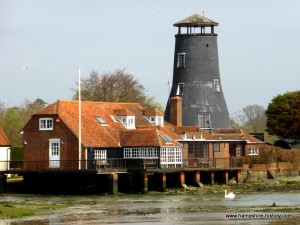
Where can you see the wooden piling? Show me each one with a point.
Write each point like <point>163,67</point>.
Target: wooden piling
<point>238,176</point>
<point>2,183</point>
<point>144,177</point>
<point>212,178</point>
<point>164,182</point>
<point>181,178</point>
<point>226,176</point>
<point>197,177</point>
<point>112,183</point>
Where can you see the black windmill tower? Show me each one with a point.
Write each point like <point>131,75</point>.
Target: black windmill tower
<point>196,76</point>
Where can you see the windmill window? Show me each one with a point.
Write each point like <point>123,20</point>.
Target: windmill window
<point>181,60</point>
<point>179,89</point>
<point>216,85</point>
<point>204,120</point>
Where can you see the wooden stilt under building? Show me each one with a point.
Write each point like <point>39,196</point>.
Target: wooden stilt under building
<point>144,177</point>
<point>212,178</point>
<point>112,183</point>
<point>226,176</point>
<point>2,183</point>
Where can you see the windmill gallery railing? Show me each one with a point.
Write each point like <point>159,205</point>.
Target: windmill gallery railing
<point>117,164</point>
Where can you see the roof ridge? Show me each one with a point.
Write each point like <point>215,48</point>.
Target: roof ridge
<point>97,102</point>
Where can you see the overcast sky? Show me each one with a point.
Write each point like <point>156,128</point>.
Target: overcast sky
<point>258,41</point>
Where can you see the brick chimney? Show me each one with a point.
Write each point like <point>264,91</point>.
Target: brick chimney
<point>176,111</point>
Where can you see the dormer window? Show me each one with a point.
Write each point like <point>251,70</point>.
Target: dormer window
<point>156,120</point>
<point>127,121</point>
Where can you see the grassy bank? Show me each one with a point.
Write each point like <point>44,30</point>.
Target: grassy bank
<point>19,210</point>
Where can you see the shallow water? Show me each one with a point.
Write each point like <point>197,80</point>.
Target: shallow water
<point>159,209</point>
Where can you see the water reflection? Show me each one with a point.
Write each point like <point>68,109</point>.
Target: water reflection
<point>155,209</point>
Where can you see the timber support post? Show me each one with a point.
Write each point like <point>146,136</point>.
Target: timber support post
<point>238,176</point>
<point>181,178</point>
<point>197,177</point>
<point>163,182</point>
<point>2,183</point>
<point>112,183</point>
<point>212,178</point>
<point>226,177</point>
<point>144,183</point>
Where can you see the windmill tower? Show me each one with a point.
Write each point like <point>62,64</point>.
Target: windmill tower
<point>196,76</point>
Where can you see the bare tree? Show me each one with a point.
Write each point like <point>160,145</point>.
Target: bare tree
<point>28,108</point>
<point>117,86</point>
<point>252,118</point>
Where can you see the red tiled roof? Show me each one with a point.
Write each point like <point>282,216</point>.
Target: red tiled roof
<point>150,136</point>
<point>231,134</point>
<point>3,138</point>
<point>234,134</point>
<point>122,112</point>
<point>151,112</point>
<point>193,131</point>
<point>93,133</point>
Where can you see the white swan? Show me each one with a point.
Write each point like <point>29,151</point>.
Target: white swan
<point>229,195</point>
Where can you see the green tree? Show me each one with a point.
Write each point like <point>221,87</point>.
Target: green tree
<point>283,116</point>
<point>11,123</point>
<point>14,119</point>
<point>117,86</point>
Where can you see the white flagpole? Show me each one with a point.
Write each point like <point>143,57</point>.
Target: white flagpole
<point>79,118</point>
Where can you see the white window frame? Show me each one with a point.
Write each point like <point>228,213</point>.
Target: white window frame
<point>46,124</point>
<point>127,121</point>
<point>100,154</point>
<point>253,151</point>
<point>170,156</point>
<point>141,153</point>
<point>155,120</point>
<point>160,121</point>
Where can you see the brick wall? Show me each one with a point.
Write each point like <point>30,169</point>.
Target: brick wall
<point>37,142</point>
<point>176,111</point>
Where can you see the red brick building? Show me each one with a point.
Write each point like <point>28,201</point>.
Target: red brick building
<point>112,133</point>
<point>108,131</point>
